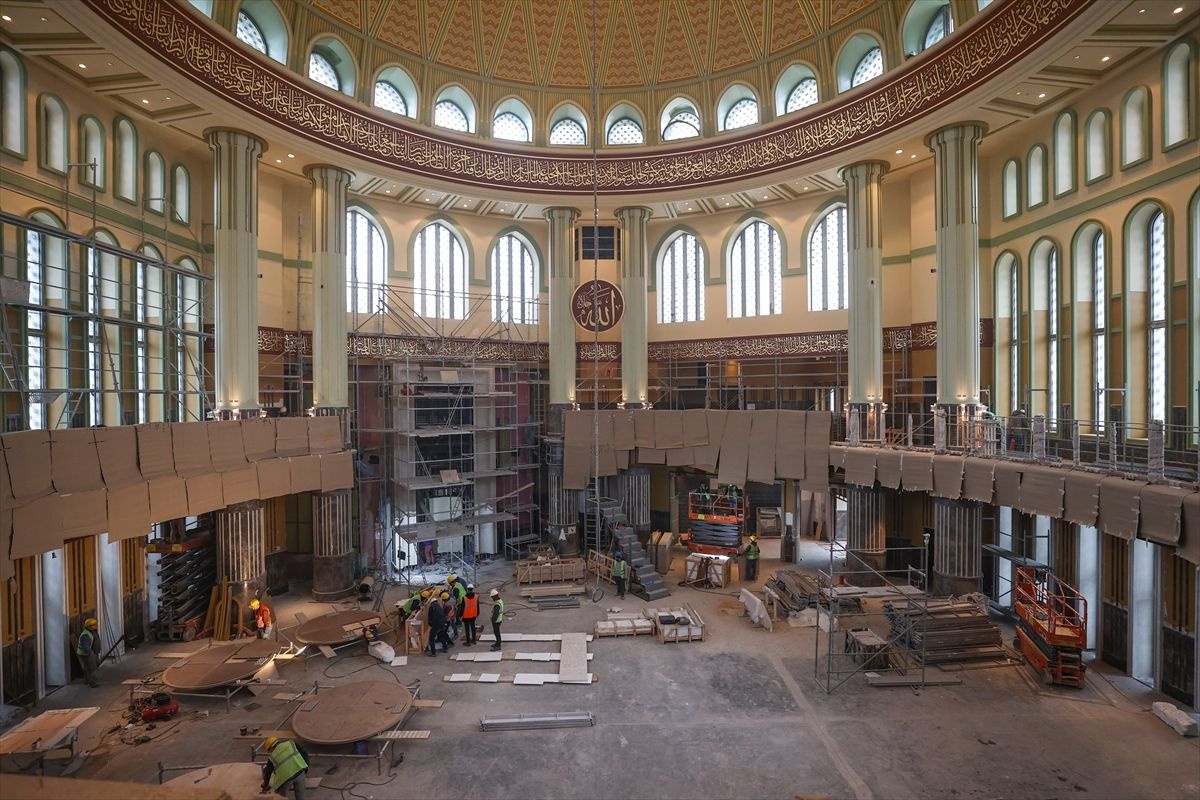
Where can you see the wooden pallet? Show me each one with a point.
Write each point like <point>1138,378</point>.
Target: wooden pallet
<point>624,627</point>
<point>692,632</point>
<point>552,590</point>
<point>549,570</point>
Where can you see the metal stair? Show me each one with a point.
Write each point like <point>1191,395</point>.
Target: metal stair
<point>625,537</point>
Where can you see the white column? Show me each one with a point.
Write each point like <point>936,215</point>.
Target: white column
<point>329,284</point>
<point>956,195</point>
<point>864,210</point>
<point>235,256</point>
<point>635,259</point>
<point>562,285</point>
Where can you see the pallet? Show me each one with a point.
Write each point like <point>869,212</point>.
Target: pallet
<point>545,571</point>
<point>552,590</point>
<point>672,633</point>
<point>624,627</point>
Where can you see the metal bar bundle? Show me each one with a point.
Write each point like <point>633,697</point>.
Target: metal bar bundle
<point>559,601</point>
<point>797,590</point>
<point>945,631</point>
<point>527,722</point>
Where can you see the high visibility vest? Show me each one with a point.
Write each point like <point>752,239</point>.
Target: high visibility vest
<point>752,551</point>
<point>86,642</point>
<point>498,611</point>
<point>286,762</point>
<point>619,569</point>
<point>470,607</point>
<point>262,617</point>
<point>460,591</point>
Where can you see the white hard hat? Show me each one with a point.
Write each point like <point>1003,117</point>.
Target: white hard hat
<point>495,592</point>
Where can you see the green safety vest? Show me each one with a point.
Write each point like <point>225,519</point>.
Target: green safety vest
<point>286,762</point>
<point>460,591</point>
<point>82,649</point>
<point>752,551</point>
<point>498,607</point>
<point>619,569</point>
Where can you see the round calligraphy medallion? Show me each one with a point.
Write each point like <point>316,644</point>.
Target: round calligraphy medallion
<point>608,308</point>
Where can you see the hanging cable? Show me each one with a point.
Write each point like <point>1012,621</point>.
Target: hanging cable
<point>595,81</point>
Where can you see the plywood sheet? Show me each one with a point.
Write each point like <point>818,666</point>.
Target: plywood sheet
<point>156,458</point>
<point>816,448</point>
<point>6,495</point>
<point>28,457</point>
<point>50,727</point>
<point>668,429</point>
<point>1042,491</point>
<point>337,471</point>
<point>1008,484</point>
<point>1081,497</point>
<point>789,451</point>
<point>735,449</point>
<point>225,446</point>
<point>948,476</point>
<point>205,493</point>
<point>274,478</point>
<point>623,438</point>
<point>118,453</point>
<point>979,480</point>
<point>695,427</point>
<point>1189,548</point>
<point>1120,507</point>
<point>705,458</point>
<point>168,499</point>
<point>576,466</point>
<point>37,527</point>
<point>128,511</point>
<point>887,468</point>
<point>240,486</point>
<point>331,628</point>
<point>760,464</point>
<point>258,438</point>
<point>623,459</point>
<point>84,513</point>
<point>352,712</point>
<point>74,461</point>
<point>860,465</point>
<point>837,456</point>
<point>325,434</point>
<point>291,436</point>
<point>1161,513</point>
<point>916,471</point>
<point>644,436</point>
<point>306,474</point>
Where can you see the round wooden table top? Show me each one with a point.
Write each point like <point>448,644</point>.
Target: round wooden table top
<point>220,665</point>
<point>330,629</point>
<point>351,712</point>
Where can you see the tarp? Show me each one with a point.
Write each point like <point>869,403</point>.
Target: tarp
<point>1081,497</point>
<point>1120,505</point>
<point>916,471</point>
<point>948,476</point>
<point>789,450</point>
<point>860,465</point>
<point>1161,512</point>
<point>74,461</point>
<point>1042,491</point>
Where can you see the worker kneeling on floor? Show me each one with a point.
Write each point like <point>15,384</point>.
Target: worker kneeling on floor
<point>287,766</point>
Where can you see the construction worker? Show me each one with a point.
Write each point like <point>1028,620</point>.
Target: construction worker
<point>750,551</point>
<point>620,572</point>
<point>407,608</point>
<point>497,617</point>
<point>286,767</point>
<point>262,619</point>
<point>437,628</point>
<point>459,591</point>
<point>451,615</point>
<point>87,650</point>
<point>470,613</point>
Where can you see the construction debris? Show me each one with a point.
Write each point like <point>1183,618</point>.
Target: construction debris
<point>527,722</point>
<point>944,631</point>
<point>1180,721</point>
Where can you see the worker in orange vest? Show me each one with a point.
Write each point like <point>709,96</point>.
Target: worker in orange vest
<point>262,619</point>
<point>470,613</point>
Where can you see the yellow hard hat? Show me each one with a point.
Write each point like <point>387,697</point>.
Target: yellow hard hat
<point>445,595</point>
<point>451,578</point>
<point>425,594</point>
<point>90,622</point>
<point>270,743</point>
<point>254,604</point>
<point>754,538</point>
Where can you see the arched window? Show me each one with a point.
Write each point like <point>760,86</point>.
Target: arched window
<point>795,89</point>
<point>680,283</point>
<point>510,127</point>
<point>388,98</point>
<point>624,131</point>
<point>155,190</point>
<point>330,64</point>
<point>40,251</point>
<point>366,264</point>
<point>321,70</point>
<point>743,113</point>
<point>440,273</point>
<point>125,156</point>
<point>802,95</point>
<point>1008,317</point>
<point>1157,318</point>
<point>827,263</point>
<point>93,169</point>
<point>395,92</point>
<point>12,102</point>
<point>447,114</point>
<point>1097,135</point>
<point>147,285</point>
<point>1044,330</point>
<point>683,124</point>
<point>1012,191</point>
<point>939,26</point>
<point>262,27</point>
<point>567,132</point>
<point>185,352</point>
<point>1064,154</point>
<point>53,134</point>
<point>755,272</point>
<point>103,293</point>
<point>1179,93</point>
<point>868,68</point>
<point>1135,121</point>
<point>249,32</point>
<point>181,195</point>
<point>1035,177</point>
<point>514,281</point>
<point>1099,326</point>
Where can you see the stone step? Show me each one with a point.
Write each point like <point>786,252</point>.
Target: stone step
<point>654,594</point>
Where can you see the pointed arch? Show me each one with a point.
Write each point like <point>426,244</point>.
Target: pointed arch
<point>1007,297</point>
<point>515,267</point>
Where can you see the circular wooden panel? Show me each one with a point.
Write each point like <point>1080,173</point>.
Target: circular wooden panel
<point>219,665</point>
<point>351,712</point>
<point>329,629</point>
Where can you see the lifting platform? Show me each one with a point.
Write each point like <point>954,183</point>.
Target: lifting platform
<point>1051,626</point>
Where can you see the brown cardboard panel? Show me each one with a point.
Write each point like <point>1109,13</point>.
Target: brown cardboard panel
<point>695,427</point>
<point>156,457</point>
<point>789,451</point>
<point>735,449</point>
<point>189,443</point>
<point>258,438</point>
<point>1120,507</point>
<point>6,565</point>
<point>887,468</point>
<point>118,451</point>
<point>837,457</point>
<point>240,486</point>
<point>204,493</point>
<point>37,527</point>
<point>623,423</point>
<point>6,496</point>
<point>979,480</point>
<point>576,465</point>
<point>128,511</point>
<point>623,459</point>
<point>760,465</point>
<point>668,429</point>
<point>291,436</point>
<point>74,461</point>
<point>680,456</point>
<point>84,513</point>
<point>861,465</point>
<point>916,472</point>
<point>28,457</point>
<point>325,434</point>
<point>1189,548</point>
<point>604,428</point>
<point>816,447</point>
<point>168,499</point>
<point>578,427</point>
<point>225,445</point>
<point>306,474</point>
<point>1042,491</point>
<point>1081,498</point>
<point>607,460</point>
<point>1008,484</point>
<point>337,471</point>
<point>643,429</point>
<point>1162,510</point>
<point>274,478</point>
<point>648,455</point>
<point>706,457</point>
<point>948,476</point>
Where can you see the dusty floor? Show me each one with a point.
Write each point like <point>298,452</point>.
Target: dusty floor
<point>737,716</point>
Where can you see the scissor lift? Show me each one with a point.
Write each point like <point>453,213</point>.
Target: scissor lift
<point>1051,626</point>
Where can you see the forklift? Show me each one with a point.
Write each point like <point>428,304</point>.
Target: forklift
<point>1051,626</point>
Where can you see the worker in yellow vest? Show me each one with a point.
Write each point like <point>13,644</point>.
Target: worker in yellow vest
<point>286,767</point>
<point>620,572</point>
<point>497,617</point>
<point>87,650</point>
<point>750,551</point>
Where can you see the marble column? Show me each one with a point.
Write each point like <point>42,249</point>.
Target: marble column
<point>635,262</point>
<point>562,324</point>
<point>333,547</point>
<point>866,533</point>
<point>235,259</point>
<point>330,185</point>
<point>241,551</point>
<point>957,546</point>
<point>864,215</point>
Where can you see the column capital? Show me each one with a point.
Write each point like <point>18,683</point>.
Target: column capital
<point>565,214</point>
<point>864,169</point>
<point>631,214</point>
<point>224,137</point>
<point>327,172</point>
<point>973,129</point>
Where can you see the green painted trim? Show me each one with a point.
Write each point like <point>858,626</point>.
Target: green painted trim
<point>43,145</point>
<point>889,261</point>
<point>1193,292</point>
<point>1189,93</point>
<point>931,250</point>
<point>1106,115</point>
<point>668,236</point>
<point>1073,143</point>
<point>1029,176</point>
<point>22,107</point>
<point>119,160</point>
<point>1146,116</point>
<point>102,166</point>
<point>1017,195</point>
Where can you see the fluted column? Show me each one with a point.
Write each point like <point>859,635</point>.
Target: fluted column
<point>864,216</point>
<point>635,259</point>
<point>562,324</point>
<point>235,258</point>
<point>957,546</point>
<point>956,197</point>
<point>329,284</point>
<point>333,547</point>
<point>866,533</point>
<point>242,550</point>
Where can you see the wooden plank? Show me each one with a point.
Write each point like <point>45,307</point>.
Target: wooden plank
<point>912,680</point>
<point>427,703</point>
<point>326,650</point>
<point>47,730</point>
<point>394,736</point>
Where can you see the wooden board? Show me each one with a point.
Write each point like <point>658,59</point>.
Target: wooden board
<point>335,628</point>
<point>352,712</point>
<point>220,665</point>
<point>52,728</point>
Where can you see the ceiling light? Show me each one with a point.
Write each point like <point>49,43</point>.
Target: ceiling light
<point>44,19</point>
<point>387,191</point>
<point>899,152</point>
<point>1104,59</point>
<point>1040,96</point>
<point>279,161</point>
<point>914,155</point>
<point>291,155</point>
<point>82,65</point>
<point>1018,94</point>
<point>6,18</point>
<point>1141,11</point>
<point>1076,58</point>
<point>1178,10</point>
<point>109,63</point>
<point>144,100</point>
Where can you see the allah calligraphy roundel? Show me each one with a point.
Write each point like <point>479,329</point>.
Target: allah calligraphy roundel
<point>608,308</point>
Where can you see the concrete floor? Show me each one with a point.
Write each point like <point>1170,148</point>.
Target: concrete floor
<point>737,716</point>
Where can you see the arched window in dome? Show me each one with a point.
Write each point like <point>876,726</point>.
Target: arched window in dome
<point>388,98</point>
<point>680,121</point>
<point>510,127</point>
<point>1064,154</point>
<point>743,113</point>
<point>321,70</point>
<point>624,131</point>
<point>1011,178</point>
<point>1179,84</point>
<point>447,114</point>
<point>181,194</point>
<point>249,32</point>
<point>125,146</point>
<point>366,264</point>
<point>869,67</point>
<point>12,103</point>
<point>330,64</point>
<point>1097,138</point>
<point>756,271</point>
<point>53,135</point>
<point>395,92</point>
<point>828,261</point>
<point>859,61</point>
<point>155,190</point>
<point>261,26</point>
<point>802,95</point>
<point>92,152</point>
<point>939,27</point>
<point>514,281</point>
<point>1135,127</point>
<point>567,132</point>
<point>1035,177</point>
<point>440,273</point>
<point>680,281</point>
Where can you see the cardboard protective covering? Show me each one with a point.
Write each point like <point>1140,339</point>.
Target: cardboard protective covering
<point>225,446</point>
<point>948,476</point>
<point>1042,491</point>
<point>1161,512</point>
<point>916,471</point>
<point>274,478</point>
<point>816,447</point>
<point>118,451</point>
<point>84,513</point>
<point>887,468</point>
<point>979,480</point>
<point>168,499</point>
<point>6,495</point>
<point>1120,507</point>
<point>837,456</point>
<point>603,434</point>
<point>705,457</point>
<point>28,457</point>
<point>205,493</point>
<point>258,438</point>
<point>128,511</point>
<point>735,449</point>
<point>668,429</point>
<point>1008,484</point>
<point>860,465</point>
<point>577,466</point>
<point>337,471</point>
<point>695,427</point>
<point>789,451</point>
<point>155,456</point>
<point>643,429</point>
<point>680,457</point>
<point>37,527</point>
<point>306,474</point>
<point>1189,548</point>
<point>645,455</point>
<point>623,459</point>
<point>1081,497</point>
<point>760,465</point>
<point>240,485</point>
<point>189,443</point>
<point>291,436</point>
<point>74,461</point>
<point>623,438</point>
<point>325,434</point>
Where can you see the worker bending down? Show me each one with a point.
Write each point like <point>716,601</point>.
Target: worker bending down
<point>497,617</point>
<point>287,766</point>
<point>262,619</point>
<point>87,651</point>
<point>750,551</point>
<point>470,613</point>
<point>437,627</point>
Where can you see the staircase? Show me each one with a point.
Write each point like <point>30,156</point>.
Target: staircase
<point>614,522</point>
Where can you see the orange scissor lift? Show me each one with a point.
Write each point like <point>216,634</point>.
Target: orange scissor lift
<point>1051,626</point>
<point>720,512</point>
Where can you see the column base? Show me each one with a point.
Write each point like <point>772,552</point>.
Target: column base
<point>333,576</point>
<point>865,422</point>
<point>861,562</point>
<point>944,585</point>
<point>276,578</point>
